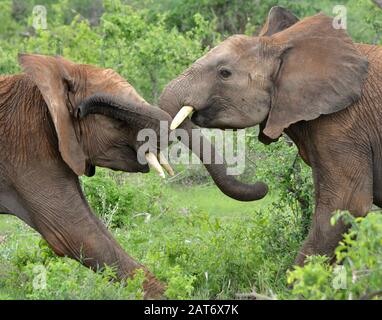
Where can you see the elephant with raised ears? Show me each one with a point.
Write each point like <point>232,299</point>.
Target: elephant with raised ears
<point>308,79</point>
<point>60,120</point>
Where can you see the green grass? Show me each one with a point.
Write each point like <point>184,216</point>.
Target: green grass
<point>8,224</point>
<point>212,201</point>
<point>193,233</point>
<point>13,234</point>
<point>200,243</point>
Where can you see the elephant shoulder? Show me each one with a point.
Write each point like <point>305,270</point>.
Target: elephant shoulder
<point>373,83</point>
<point>372,52</point>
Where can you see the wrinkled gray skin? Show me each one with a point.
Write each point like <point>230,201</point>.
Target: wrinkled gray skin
<point>309,80</point>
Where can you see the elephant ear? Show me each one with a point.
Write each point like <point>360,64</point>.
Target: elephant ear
<point>278,20</point>
<point>321,72</point>
<point>52,75</point>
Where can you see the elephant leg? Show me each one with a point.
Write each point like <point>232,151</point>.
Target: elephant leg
<point>349,187</point>
<point>10,203</point>
<point>60,213</point>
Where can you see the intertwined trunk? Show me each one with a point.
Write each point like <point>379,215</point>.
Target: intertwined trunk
<point>172,100</point>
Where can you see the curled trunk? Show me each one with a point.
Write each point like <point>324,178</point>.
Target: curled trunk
<point>218,171</point>
<point>172,103</point>
<point>141,116</point>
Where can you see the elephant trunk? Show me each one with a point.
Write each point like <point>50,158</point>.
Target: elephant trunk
<point>171,102</point>
<point>140,116</point>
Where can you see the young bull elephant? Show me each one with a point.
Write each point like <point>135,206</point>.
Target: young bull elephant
<point>58,121</point>
<point>307,79</point>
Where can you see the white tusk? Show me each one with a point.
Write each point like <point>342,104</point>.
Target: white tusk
<point>153,161</point>
<point>180,116</point>
<point>163,161</point>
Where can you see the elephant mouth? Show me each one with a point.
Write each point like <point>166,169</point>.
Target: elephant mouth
<point>134,164</point>
<point>133,167</point>
<point>199,119</point>
<point>153,159</point>
<point>209,118</point>
<point>124,159</point>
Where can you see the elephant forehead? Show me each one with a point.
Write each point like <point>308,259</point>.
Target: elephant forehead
<point>229,50</point>
<point>109,81</point>
<point>238,42</point>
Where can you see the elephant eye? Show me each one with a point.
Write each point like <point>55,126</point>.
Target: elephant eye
<point>224,73</point>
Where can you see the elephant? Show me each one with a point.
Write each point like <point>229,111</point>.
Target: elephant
<point>58,120</point>
<point>307,79</point>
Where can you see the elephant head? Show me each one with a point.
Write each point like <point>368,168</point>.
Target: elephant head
<point>96,115</point>
<point>292,71</point>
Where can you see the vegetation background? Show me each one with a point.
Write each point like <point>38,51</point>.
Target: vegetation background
<point>201,243</point>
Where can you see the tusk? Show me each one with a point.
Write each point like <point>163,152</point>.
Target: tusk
<point>163,161</point>
<point>153,161</point>
<point>180,116</point>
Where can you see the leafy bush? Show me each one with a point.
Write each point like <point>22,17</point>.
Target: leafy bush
<point>118,200</point>
<point>358,272</point>
<point>218,259</point>
<point>35,272</point>
<point>196,255</point>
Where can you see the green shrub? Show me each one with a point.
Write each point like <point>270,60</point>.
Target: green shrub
<point>220,258</point>
<point>118,200</point>
<point>359,275</point>
<point>35,272</point>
